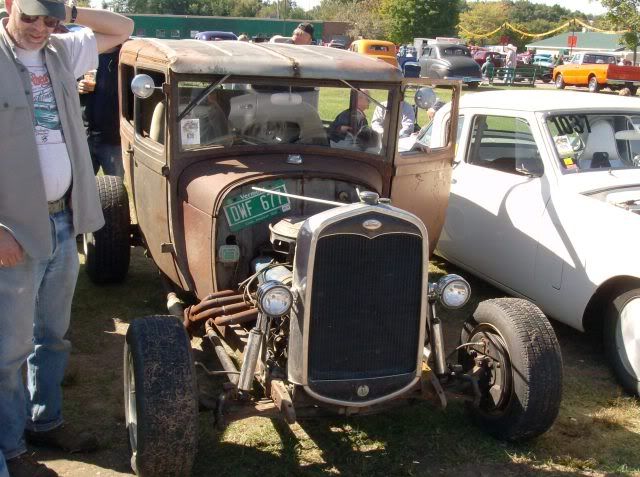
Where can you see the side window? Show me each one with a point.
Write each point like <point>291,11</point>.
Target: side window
<point>126,96</point>
<point>505,144</point>
<point>150,112</point>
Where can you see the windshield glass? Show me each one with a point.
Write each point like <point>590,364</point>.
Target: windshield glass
<point>261,114</point>
<point>592,142</point>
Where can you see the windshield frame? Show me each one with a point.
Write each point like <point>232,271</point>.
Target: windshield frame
<point>562,168</point>
<point>385,156</point>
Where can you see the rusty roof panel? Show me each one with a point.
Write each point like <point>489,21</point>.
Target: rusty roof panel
<point>278,60</point>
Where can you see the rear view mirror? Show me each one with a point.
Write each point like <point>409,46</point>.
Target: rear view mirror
<point>425,98</point>
<point>142,86</point>
<point>286,99</point>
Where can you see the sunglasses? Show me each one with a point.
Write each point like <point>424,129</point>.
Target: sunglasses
<point>49,22</point>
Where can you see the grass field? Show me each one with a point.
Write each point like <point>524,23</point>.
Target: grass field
<point>596,434</point>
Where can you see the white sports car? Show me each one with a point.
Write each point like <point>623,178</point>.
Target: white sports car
<point>544,204</point>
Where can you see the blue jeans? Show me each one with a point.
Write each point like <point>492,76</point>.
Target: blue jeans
<point>35,309</point>
<point>107,155</point>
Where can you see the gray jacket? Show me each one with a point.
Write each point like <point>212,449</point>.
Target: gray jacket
<point>23,204</point>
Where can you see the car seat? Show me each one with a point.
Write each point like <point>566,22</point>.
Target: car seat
<point>601,149</point>
<point>298,121</point>
<point>156,129</point>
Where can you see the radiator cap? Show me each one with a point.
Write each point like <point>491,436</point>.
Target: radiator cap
<point>369,197</point>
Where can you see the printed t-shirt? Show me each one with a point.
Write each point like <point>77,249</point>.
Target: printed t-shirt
<point>52,149</point>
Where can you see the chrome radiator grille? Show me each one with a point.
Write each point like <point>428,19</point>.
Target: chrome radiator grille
<point>365,306</point>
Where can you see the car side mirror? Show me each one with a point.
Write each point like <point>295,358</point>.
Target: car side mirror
<point>425,98</point>
<point>143,86</point>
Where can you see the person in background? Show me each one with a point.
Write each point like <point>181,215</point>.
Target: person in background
<point>48,197</point>
<point>487,68</point>
<point>511,63</point>
<point>243,37</point>
<point>302,35</point>
<point>348,122</point>
<point>101,118</point>
<point>407,121</point>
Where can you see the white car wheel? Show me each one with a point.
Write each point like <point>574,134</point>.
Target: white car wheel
<point>622,339</point>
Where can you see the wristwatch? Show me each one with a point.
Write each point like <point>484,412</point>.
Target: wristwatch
<point>74,14</point>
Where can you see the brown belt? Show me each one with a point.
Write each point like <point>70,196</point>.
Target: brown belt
<point>59,205</point>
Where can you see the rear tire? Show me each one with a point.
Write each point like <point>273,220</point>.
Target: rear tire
<point>559,81</point>
<point>108,251</point>
<point>633,90</point>
<point>594,87</point>
<point>521,377</point>
<point>160,397</point>
<point>622,339</point>
<point>473,85</point>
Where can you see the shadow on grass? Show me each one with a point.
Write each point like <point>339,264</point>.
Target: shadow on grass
<point>590,435</point>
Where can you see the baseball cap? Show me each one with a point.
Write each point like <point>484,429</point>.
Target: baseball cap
<point>307,28</point>
<point>51,8</point>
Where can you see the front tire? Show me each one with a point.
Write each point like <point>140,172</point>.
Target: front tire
<point>473,85</point>
<point>594,87</point>
<point>519,366</point>
<point>160,397</point>
<point>622,339</point>
<point>559,82</point>
<point>108,251</point>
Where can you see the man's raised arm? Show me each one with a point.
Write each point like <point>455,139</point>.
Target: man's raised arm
<point>111,29</point>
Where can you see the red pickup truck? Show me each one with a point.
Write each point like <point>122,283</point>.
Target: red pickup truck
<point>596,70</point>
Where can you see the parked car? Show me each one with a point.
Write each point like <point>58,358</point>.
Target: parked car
<point>216,35</point>
<point>545,193</point>
<point>304,251</point>
<point>497,59</point>
<point>543,59</point>
<point>596,71</point>
<point>382,50</point>
<point>337,44</point>
<point>450,61</point>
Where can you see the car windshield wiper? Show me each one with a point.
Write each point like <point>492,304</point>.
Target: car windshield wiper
<point>198,99</point>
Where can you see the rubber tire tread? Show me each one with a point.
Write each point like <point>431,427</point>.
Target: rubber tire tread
<point>473,85</point>
<point>166,396</point>
<point>562,84</point>
<point>535,352</point>
<point>596,88</point>
<point>109,249</point>
<point>630,383</point>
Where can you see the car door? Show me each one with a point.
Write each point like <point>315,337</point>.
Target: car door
<point>498,195</point>
<point>422,176</point>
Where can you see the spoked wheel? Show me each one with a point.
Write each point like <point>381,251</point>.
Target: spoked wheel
<point>160,397</point>
<point>514,357</point>
<point>622,339</point>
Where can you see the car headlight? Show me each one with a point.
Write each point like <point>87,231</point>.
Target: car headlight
<point>274,298</point>
<point>453,291</point>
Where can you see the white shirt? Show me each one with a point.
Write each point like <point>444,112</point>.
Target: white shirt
<point>407,122</point>
<point>52,149</point>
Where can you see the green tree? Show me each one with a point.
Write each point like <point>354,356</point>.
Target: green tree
<point>624,15</point>
<point>409,19</point>
<point>365,16</point>
<point>484,17</point>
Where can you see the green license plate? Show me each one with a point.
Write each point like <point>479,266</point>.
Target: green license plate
<point>247,209</point>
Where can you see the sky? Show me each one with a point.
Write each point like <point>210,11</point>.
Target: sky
<point>587,6</point>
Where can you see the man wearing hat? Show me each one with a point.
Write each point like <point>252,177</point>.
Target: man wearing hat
<point>302,35</point>
<point>47,197</point>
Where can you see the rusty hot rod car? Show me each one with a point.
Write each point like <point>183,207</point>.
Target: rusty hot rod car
<point>303,238</point>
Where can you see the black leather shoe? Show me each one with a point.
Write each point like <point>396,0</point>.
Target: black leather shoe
<point>63,438</point>
<point>25,465</point>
